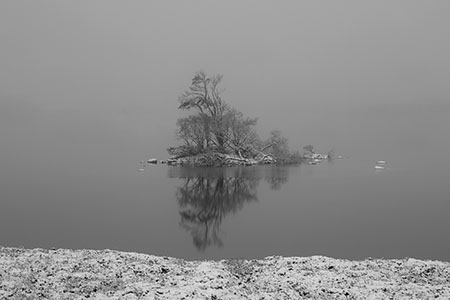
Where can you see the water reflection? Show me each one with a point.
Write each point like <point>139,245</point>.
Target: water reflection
<point>208,195</point>
<point>277,177</point>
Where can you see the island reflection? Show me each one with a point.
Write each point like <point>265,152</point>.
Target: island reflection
<point>208,195</point>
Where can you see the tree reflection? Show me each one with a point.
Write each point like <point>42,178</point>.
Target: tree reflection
<point>207,196</point>
<point>277,177</point>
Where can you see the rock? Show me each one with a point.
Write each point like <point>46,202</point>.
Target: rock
<point>172,162</point>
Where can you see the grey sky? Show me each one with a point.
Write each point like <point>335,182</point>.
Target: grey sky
<point>83,70</point>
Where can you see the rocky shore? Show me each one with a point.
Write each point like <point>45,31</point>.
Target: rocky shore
<point>107,274</point>
<point>216,159</point>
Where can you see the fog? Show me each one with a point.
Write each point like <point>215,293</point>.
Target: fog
<point>82,80</point>
<point>88,89</point>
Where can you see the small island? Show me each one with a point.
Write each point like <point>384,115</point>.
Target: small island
<point>214,134</point>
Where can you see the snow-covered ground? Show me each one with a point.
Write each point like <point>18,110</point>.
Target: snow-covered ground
<point>107,274</point>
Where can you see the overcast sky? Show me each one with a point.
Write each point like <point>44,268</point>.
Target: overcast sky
<point>83,70</point>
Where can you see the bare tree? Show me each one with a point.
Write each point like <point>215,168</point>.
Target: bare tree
<point>215,127</point>
<point>242,135</point>
<point>277,146</point>
<point>204,96</point>
<point>194,131</point>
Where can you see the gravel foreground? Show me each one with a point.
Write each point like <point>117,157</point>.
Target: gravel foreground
<point>107,274</point>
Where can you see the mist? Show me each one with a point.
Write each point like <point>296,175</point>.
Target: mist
<point>83,80</point>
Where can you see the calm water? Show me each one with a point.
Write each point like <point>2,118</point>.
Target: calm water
<point>343,209</point>
<point>70,179</point>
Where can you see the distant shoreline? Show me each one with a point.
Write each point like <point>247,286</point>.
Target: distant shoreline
<point>108,274</point>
